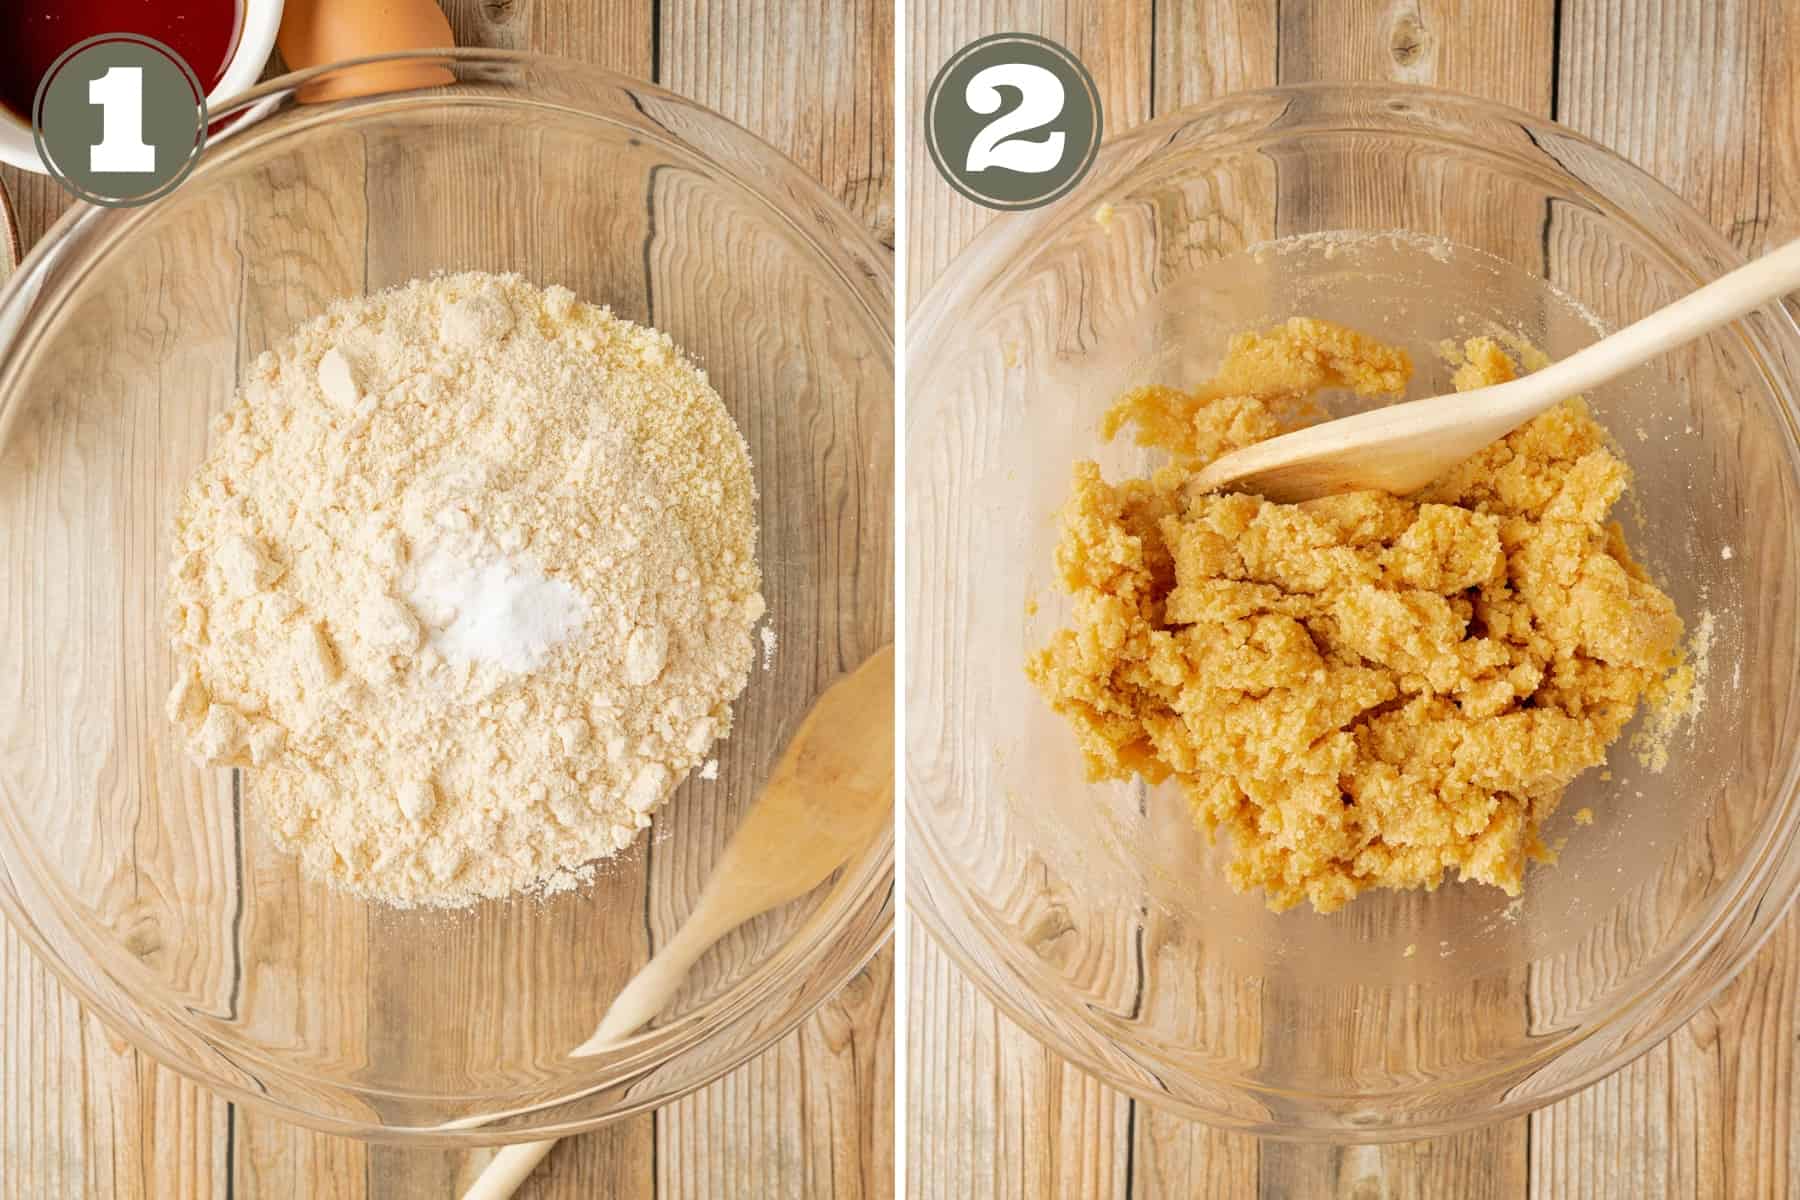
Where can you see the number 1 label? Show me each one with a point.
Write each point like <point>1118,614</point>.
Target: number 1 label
<point>121,149</point>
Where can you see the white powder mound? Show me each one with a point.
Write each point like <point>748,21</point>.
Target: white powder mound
<point>485,607</point>
<point>470,577</point>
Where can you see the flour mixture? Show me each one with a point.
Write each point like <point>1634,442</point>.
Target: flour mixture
<point>470,578</point>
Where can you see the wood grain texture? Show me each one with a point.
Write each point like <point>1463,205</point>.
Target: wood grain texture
<point>82,1114</point>
<point>1704,96</point>
<point>1112,39</point>
<point>1707,99</point>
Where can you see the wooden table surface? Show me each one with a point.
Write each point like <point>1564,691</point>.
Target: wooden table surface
<point>1704,95</point>
<point>83,1114</point>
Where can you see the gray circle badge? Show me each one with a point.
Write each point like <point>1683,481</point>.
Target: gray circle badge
<point>1012,121</point>
<point>119,119</point>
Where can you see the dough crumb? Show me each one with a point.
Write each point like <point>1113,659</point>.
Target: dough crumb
<point>1361,691</point>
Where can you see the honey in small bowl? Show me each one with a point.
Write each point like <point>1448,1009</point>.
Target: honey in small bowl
<point>36,32</point>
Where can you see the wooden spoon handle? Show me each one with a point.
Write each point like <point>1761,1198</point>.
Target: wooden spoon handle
<point>1724,299</point>
<point>829,793</point>
<point>502,1177</point>
<point>649,990</point>
<point>653,986</point>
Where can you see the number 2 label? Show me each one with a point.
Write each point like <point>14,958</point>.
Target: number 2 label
<point>999,144</point>
<point>120,96</point>
<point>1012,121</point>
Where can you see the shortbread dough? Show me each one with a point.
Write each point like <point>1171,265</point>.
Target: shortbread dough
<point>1362,691</point>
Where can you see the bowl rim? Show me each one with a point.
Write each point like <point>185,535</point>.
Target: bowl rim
<point>1752,889</point>
<point>844,246</point>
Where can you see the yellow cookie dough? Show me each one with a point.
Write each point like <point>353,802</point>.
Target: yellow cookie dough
<point>1363,691</point>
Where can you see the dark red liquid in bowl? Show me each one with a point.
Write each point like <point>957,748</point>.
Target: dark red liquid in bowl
<point>33,33</point>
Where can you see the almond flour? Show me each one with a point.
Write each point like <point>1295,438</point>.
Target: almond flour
<point>469,579</point>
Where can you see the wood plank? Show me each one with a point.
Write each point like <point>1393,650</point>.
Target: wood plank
<point>988,1107</point>
<point>81,1113</point>
<point>37,202</point>
<point>831,111</point>
<point>1498,52</point>
<point>269,1157</point>
<point>1113,40</point>
<point>1503,54</point>
<point>738,1137</point>
<point>1707,99</point>
<point>990,1111</point>
<point>1204,51</point>
<point>1480,1164</point>
<point>1700,96</point>
<point>788,1123</point>
<point>495,233</point>
<point>173,906</point>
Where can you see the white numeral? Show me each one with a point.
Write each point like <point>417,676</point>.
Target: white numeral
<point>120,95</point>
<point>1041,101</point>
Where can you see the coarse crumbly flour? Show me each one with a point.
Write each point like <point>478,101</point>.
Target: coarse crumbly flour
<point>470,578</point>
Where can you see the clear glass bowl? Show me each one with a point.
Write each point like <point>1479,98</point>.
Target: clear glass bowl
<point>148,884</point>
<point>1095,915</point>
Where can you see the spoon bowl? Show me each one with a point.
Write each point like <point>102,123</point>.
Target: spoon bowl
<point>1402,448</point>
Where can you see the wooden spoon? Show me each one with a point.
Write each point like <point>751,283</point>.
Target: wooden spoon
<point>1403,447</point>
<point>828,796</point>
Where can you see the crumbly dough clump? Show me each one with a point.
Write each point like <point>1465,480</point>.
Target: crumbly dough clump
<point>1364,691</point>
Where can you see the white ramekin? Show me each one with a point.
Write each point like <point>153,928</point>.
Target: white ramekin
<point>256,40</point>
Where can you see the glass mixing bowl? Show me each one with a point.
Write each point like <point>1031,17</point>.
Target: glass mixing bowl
<point>1095,915</point>
<point>148,884</point>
